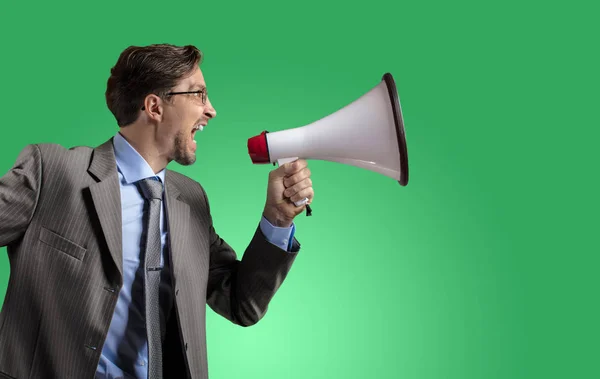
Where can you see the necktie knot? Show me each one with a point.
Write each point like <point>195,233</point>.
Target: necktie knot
<point>151,188</point>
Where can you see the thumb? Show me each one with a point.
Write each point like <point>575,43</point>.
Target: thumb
<point>282,171</point>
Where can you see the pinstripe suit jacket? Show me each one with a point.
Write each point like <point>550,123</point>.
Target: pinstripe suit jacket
<point>60,218</point>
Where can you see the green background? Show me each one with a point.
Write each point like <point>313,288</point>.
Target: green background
<point>484,266</point>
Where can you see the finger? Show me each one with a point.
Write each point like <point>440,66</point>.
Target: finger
<point>279,172</point>
<point>297,177</point>
<point>293,167</point>
<point>285,169</point>
<point>305,193</point>
<point>291,191</point>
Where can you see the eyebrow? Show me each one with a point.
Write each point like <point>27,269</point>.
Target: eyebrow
<point>195,87</point>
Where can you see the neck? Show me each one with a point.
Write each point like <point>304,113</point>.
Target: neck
<point>146,145</point>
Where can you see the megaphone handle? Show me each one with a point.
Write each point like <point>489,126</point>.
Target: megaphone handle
<point>303,201</point>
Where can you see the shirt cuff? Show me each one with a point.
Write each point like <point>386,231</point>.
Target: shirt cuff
<point>281,237</point>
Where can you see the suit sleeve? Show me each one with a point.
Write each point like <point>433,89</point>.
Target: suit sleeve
<point>19,193</point>
<point>240,290</point>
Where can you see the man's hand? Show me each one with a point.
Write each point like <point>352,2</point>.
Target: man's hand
<point>288,183</point>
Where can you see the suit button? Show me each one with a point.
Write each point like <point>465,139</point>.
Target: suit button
<point>186,346</point>
<point>177,292</point>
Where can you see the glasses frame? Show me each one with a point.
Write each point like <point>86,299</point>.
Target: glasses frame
<point>201,91</point>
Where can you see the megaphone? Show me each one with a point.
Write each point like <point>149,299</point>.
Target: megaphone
<point>367,133</point>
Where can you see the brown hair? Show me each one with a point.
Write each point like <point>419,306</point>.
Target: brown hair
<point>140,71</point>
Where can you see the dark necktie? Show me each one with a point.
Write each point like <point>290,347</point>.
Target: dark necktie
<point>152,190</point>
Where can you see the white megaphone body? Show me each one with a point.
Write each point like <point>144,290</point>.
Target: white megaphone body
<point>367,133</point>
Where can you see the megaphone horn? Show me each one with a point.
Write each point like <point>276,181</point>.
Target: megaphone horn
<point>367,133</point>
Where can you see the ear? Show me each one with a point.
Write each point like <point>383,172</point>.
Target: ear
<point>153,107</point>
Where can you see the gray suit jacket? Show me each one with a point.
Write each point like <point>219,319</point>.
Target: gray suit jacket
<point>60,218</point>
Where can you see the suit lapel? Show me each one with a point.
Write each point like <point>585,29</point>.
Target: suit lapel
<point>178,218</point>
<point>106,197</point>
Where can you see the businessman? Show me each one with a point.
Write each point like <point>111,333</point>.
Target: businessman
<point>113,257</point>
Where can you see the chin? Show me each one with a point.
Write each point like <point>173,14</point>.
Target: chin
<point>184,155</point>
<point>186,159</point>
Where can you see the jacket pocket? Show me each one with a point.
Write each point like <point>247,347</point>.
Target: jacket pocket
<point>61,243</point>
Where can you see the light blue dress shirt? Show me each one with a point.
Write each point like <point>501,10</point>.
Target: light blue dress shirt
<point>125,351</point>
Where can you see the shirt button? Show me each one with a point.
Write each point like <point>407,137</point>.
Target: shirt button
<point>142,363</point>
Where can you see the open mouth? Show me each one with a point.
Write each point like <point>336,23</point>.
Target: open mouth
<point>194,130</point>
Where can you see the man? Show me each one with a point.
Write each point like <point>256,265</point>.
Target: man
<point>114,257</point>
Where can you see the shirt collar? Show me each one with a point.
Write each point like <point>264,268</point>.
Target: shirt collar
<point>131,164</point>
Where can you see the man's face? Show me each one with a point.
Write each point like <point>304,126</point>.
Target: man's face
<point>184,117</point>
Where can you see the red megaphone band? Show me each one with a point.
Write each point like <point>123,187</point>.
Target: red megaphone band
<point>258,149</point>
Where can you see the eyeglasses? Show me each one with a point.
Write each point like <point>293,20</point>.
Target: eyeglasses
<point>202,93</point>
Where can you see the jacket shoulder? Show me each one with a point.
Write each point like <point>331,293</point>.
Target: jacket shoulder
<point>54,149</point>
<point>55,160</point>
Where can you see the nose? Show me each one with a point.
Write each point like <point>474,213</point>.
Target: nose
<point>209,110</point>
